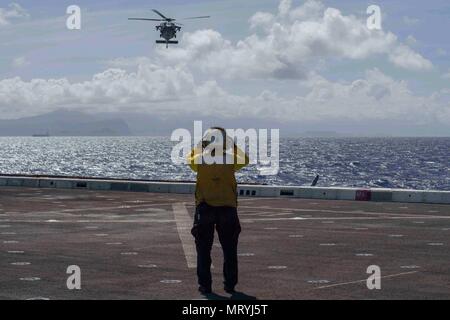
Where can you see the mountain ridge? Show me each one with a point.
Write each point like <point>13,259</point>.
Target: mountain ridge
<point>65,123</point>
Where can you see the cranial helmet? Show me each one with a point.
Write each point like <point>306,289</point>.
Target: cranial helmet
<point>217,138</point>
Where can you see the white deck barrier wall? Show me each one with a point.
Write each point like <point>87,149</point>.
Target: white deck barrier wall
<point>331,193</point>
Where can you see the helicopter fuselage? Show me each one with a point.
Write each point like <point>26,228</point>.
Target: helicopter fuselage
<point>168,30</point>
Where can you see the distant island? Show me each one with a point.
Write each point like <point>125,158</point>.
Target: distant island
<point>65,123</point>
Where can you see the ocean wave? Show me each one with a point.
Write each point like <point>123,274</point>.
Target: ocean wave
<point>416,163</point>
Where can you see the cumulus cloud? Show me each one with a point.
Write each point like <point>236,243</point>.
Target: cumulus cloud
<point>173,90</point>
<point>106,90</point>
<point>13,11</point>
<point>374,97</point>
<point>291,42</point>
<point>404,57</point>
<point>262,20</point>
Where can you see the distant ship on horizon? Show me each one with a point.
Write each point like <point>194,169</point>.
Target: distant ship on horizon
<point>47,134</point>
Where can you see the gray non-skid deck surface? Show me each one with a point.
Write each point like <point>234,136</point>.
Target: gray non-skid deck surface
<point>138,246</point>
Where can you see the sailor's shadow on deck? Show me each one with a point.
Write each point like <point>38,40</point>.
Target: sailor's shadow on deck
<point>235,296</point>
<point>242,296</point>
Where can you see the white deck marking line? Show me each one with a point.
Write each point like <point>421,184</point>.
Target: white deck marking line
<point>92,209</point>
<point>99,221</point>
<point>339,218</point>
<point>359,281</point>
<point>184,224</point>
<point>267,214</point>
<point>417,215</point>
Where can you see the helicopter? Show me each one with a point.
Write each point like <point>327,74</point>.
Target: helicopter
<point>168,28</point>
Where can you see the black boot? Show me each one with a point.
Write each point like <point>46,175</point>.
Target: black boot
<point>229,290</point>
<point>204,290</point>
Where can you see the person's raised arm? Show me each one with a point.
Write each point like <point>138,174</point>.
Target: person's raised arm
<point>241,159</point>
<point>193,157</point>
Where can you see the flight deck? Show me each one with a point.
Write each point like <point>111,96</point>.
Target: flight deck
<point>134,245</point>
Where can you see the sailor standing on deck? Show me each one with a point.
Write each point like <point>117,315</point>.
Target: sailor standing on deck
<point>216,160</point>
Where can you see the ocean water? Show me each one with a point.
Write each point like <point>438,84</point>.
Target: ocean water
<point>416,163</point>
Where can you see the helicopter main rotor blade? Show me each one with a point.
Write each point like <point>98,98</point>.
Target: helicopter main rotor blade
<point>160,14</point>
<point>145,19</point>
<point>201,17</point>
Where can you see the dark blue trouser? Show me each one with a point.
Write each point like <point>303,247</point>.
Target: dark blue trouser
<point>226,222</point>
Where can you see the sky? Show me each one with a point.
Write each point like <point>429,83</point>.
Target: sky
<point>302,64</point>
